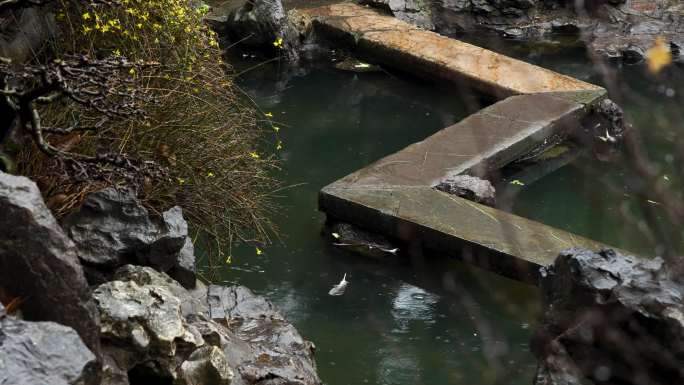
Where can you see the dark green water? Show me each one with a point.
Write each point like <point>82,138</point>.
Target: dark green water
<point>434,321</point>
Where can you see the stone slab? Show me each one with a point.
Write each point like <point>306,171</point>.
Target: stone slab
<point>396,43</point>
<point>484,141</point>
<point>395,195</point>
<point>484,236</point>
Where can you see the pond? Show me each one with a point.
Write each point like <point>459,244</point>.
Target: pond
<point>436,321</point>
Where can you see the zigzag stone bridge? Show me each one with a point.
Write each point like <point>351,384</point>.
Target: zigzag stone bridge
<point>396,195</point>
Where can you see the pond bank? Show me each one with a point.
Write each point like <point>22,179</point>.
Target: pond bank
<point>138,323</point>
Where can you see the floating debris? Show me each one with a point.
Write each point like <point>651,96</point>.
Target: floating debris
<point>340,287</point>
<point>353,65</point>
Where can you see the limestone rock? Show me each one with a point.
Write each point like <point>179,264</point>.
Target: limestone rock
<point>258,24</point>
<point>112,229</point>
<point>206,365</point>
<point>38,262</point>
<point>191,302</point>
<point>469,187</point>
<point>147,317</point>
<point>281,355</point>
<point>610,318</point>
<point>39,353</point>
<point>154,328</point>
<point>416,12</point>
<point>615,28</point>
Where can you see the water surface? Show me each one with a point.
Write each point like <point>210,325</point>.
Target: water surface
<point>435,321</point>
<point>430,322</point>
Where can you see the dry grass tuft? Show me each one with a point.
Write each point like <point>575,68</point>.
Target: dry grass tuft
<point>199,128</point>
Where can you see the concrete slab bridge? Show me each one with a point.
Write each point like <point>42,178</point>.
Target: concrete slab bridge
<point>396,195</point>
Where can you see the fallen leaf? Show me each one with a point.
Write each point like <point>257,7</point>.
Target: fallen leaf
<point>658,56</point>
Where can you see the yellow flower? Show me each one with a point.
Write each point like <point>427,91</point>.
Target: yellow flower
<point>279,145</point>
<point>254,155</point>
<point>258,251</point>
<point>229,260</point>
<point>517,182</point>
<point>131,71</point>
<point>278,43</point>
<point>210,174</point>
<point>181,181</point>
<point>86,16</point>
<point>117,52</point>
<point>276,128</point>
<point>268,115</point>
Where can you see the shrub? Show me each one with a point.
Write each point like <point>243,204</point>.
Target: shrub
<point>209,140</point>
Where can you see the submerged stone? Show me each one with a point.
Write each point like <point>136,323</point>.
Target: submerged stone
<point>353,238</point>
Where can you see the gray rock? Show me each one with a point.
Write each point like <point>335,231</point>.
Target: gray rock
<point>112,229</point>
<point>26,32</point>
<point>39,353</point>
<point>610,318</point>
<point>38,262</point>
<point>230,337</point>
<point>147,317</point>
<point>192,302</point>
<point>616,28</point>
<point>206,365</point>
<point>469,187</point>
<point>281,355</point>
<point>257,24</point>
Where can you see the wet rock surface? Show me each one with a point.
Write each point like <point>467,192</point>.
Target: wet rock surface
<point>112,229</point>
<point>39,353</point>
<point>154,328</point>
<point>360,241</point>
<point>38,262</point>
<point>469,187</point>
<point>610,319</point>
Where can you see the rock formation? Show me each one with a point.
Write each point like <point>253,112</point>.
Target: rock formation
<point>40,353</point>
<point>621,28</point>
<point>154,328</point>
<point>112,229</point>
<point>469,187</point>
<point>38,262</point>
<point>609,318</point>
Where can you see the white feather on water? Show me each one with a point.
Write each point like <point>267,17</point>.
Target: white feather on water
<point>340,287</point>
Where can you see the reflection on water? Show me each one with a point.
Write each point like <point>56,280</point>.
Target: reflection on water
<point>412,303</point>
